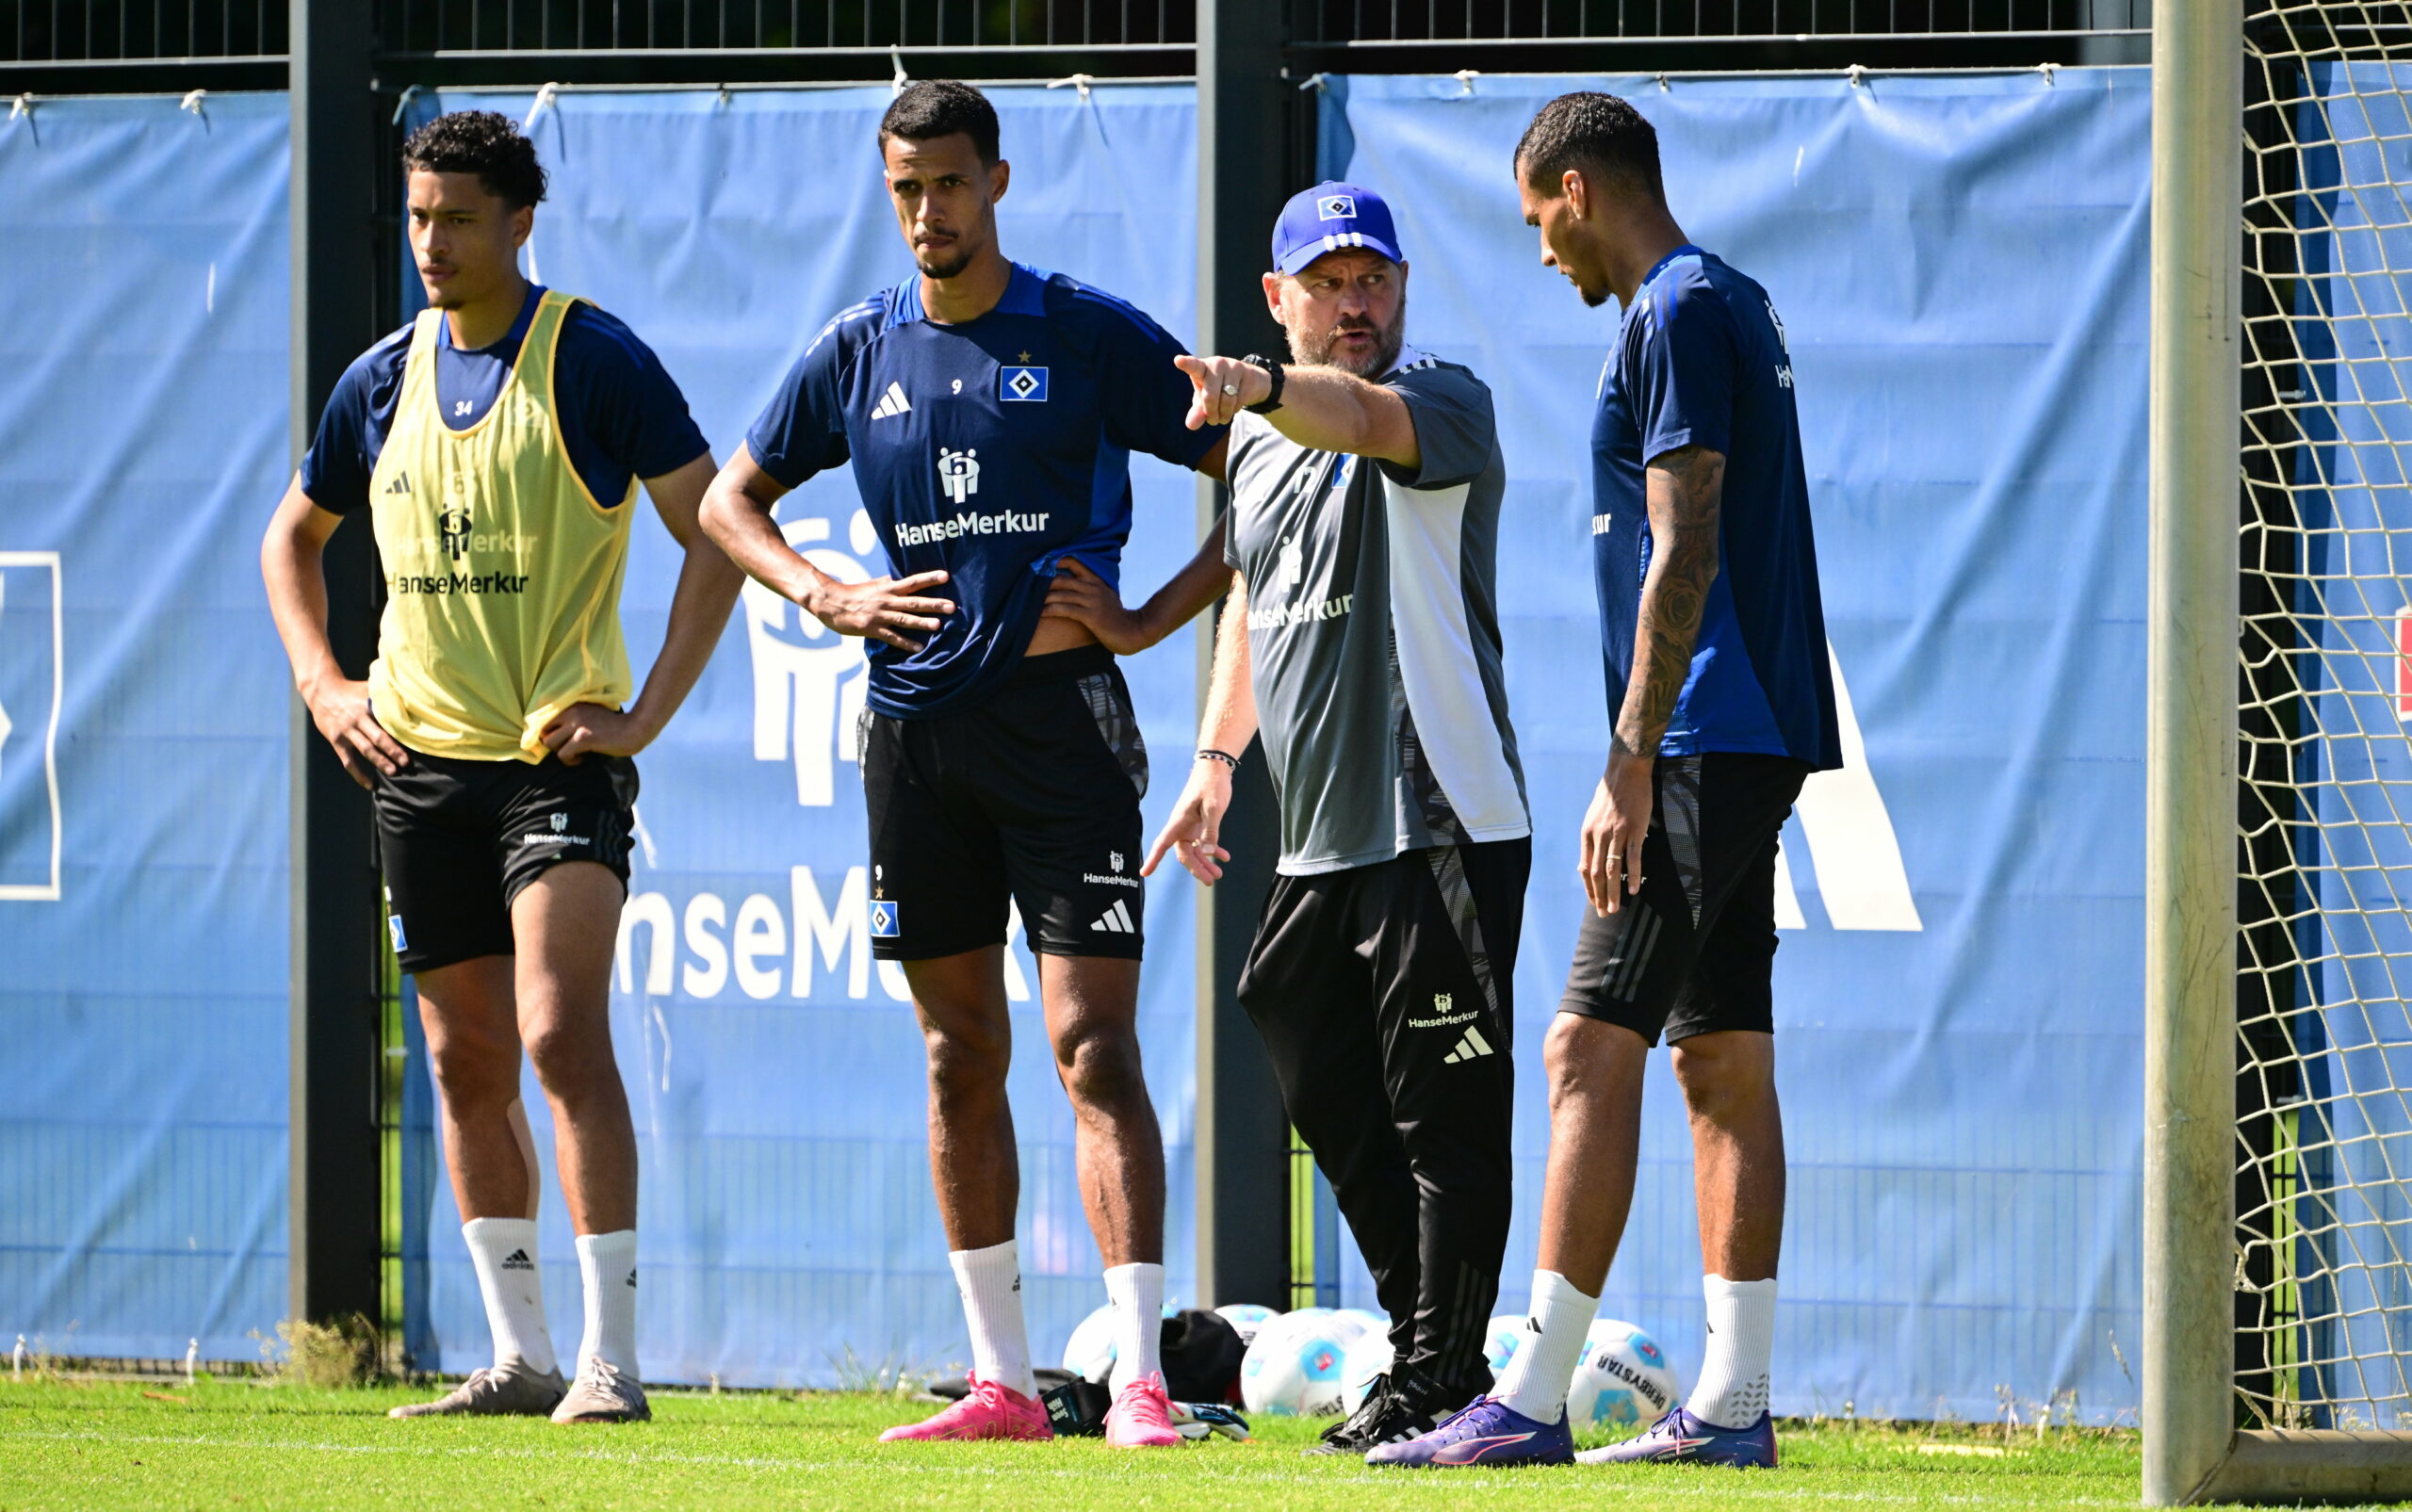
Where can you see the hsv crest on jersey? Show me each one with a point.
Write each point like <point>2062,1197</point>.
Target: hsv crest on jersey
<point>1337,208</point>
<point>884,918</point>
<point>1022,385</point>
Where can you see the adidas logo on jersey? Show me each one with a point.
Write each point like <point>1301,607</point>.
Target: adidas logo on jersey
<point>1471,1047</point>
<point>517,1261</point>
<point>1116,920</point>
<point>892,402</point>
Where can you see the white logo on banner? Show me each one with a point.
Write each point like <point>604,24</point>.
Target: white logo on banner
<point>32,656</point>
<point>764,951</point>
<point>809,680</point>
<point>1860,876</point>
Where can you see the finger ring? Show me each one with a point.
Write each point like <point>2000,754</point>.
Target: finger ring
<point>1230,388</point>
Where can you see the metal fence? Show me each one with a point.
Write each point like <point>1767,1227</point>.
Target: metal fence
<point>107,31</point>
<point>112,31</point>
<point>420,29</point>
<point>1727,21</point>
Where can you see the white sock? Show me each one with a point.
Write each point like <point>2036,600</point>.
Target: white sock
<point>503,1251</point>
<point>1138,1293</point>
<point>1732,1388</point>
<point>1536,1378</point>
<point>990,1280</point>
<point>608,1264</point>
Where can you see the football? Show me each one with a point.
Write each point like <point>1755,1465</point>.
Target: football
<point>1623,1381</point>
<point>1245,1318</point>
<point>1294,1367</point>
<point>1367,1359</point>
<point>1089,1353</point>
<point>1500,1338</point>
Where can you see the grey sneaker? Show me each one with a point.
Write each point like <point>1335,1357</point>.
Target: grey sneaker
<point>497,1391</point>
<point>602,1394</point>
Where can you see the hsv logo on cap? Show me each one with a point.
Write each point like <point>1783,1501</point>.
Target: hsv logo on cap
<point>1329,218</point>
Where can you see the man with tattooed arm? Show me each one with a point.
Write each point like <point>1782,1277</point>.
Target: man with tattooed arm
<point>1716,671</point>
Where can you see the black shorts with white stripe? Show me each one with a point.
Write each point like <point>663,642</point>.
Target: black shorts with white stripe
<point>1694,952</point>
<point>1031,797</point>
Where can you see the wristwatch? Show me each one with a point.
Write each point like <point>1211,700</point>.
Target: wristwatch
<point>1272,370</point>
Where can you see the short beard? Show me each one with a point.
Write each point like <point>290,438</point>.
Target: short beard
<point>954,265</point>
<point>1314,349</point>
<point>943,271</point>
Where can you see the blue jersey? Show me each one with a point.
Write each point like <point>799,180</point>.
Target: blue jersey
<point>621,416</point>
<point>992,450</point>
<point>1700,362</point>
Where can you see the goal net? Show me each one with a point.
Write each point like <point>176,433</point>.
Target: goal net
<point>2323,1124</point>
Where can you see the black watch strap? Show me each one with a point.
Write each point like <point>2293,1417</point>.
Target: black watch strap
<point>1272,370</point>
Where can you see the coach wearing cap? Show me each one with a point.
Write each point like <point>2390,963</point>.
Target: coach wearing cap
<point>1362,640</point>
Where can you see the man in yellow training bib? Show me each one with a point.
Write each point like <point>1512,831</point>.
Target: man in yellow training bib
<point>498,442</point>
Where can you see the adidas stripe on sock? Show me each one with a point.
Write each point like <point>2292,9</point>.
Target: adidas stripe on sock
<point>990,1280</point>
<point>1138,1294</point>
<point>607,1265</point>
<point>503,1253</point>
<point>1538,1372</point>
<point>1732,1388</point>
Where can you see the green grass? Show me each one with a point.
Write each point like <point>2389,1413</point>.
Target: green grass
<point>237,1444</point>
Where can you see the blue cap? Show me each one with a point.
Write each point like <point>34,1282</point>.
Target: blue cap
<point>1327,218</point>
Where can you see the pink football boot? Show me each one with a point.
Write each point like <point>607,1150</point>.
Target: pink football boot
<point>987,1412</point>
<point>1141,1417</point>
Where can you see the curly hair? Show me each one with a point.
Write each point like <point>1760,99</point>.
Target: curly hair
<point>483,143</point>
<point>1600,134</point>
<point>931,108</point>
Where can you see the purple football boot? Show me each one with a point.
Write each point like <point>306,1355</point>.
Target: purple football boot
<point>1680,1438</point>
<point>1483,1432</point>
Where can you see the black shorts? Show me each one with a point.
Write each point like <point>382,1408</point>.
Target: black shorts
<point>459,839</point>
<point>1694,952</point>
<point>1032,797</point>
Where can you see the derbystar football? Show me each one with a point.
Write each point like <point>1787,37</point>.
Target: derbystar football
<point>1245,1318</point>
<point>1294,1366</point>
<point>1623,1381</point>
<point>1500,1337</point>
<point>1367,1359</point>
<point>1089,1353</point>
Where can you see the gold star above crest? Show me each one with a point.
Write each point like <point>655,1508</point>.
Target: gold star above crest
<point>1025,357</point>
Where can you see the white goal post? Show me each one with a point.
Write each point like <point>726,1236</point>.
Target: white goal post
<point>2277,1352</point>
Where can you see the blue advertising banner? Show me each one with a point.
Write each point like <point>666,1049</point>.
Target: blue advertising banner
<point>143,316</point>
<point>1959,266</point>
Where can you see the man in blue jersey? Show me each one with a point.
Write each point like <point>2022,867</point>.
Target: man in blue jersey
<point>989,411</point>
<point>494,444</point>
<point>1715,647</point>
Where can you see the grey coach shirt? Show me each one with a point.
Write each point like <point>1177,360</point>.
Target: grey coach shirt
<point>1374,630</point>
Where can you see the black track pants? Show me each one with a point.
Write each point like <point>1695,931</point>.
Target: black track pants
<point>1384,996</point>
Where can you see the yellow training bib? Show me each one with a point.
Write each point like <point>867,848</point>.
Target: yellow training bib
<point>502,572</point>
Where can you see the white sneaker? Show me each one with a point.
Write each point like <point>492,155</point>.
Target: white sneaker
<point>602,1394</point>
<point>497,1391</point>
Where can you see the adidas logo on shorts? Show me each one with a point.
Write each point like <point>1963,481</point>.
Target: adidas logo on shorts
<point>1117,922</point>
<point>1471,1046</point>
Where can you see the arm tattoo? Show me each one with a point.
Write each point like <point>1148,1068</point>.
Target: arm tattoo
<point>1685,487</point>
